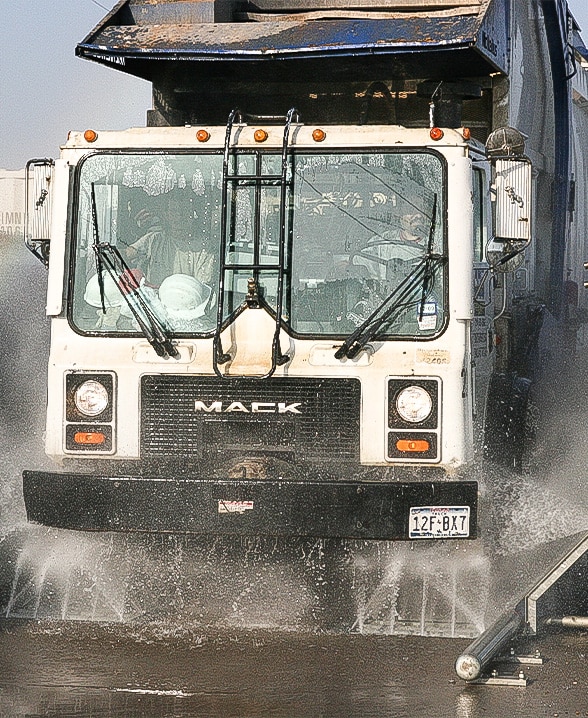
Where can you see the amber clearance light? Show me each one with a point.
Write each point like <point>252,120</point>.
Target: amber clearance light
<point>318,135</point>
<point>89,437</point>
<point>436,133</point>
<point>260,135</point>
<point>412,445</point>
<point>90,135</point>
<point>203,135</point>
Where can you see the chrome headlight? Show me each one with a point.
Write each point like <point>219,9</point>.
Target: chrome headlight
<point>414,404</point>
<point>91,398</point>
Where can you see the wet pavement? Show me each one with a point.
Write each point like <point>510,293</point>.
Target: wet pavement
<point>86,669</point>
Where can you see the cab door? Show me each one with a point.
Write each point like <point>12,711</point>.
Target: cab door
<point>482,328</point>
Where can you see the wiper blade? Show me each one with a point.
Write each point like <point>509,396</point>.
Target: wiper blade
<point>429,265</point>
<point>153,329</point>
<point>109,259</point>
<point>404,295</point>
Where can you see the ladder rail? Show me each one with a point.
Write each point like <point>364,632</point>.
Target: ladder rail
<point>277,357</point>
<point>258,180</point>
<point>219,356</point>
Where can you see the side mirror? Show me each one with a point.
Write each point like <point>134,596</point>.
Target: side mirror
<point>38,201</point>
<point>513,186</point>
<point>513,191</point>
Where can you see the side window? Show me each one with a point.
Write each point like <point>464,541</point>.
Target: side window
<point>479,233</point>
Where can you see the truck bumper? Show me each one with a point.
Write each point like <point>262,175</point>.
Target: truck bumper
<point>322,509</point>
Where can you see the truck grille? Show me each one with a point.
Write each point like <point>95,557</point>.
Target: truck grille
<point>185,416</point>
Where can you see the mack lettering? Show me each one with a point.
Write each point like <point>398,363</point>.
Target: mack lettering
<point>254,407</point>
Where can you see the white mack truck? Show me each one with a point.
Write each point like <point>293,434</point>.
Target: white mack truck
<point>309,295</point>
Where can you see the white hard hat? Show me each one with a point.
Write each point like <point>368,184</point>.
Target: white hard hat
<point>112,295</point>
<point>183,296</point>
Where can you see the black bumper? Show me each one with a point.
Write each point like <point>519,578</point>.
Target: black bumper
<point>322,509</point>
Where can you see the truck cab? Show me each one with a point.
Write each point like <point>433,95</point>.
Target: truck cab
<point>266,304</point>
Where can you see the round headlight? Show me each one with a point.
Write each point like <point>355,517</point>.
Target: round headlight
<point>414,404</point>
<point>91,398</point>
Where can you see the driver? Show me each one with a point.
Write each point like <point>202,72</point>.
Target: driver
<point>394,252</point>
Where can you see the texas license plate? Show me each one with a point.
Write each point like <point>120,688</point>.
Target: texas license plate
<point>439,522</point>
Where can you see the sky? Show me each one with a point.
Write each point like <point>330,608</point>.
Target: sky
<point>45,90</point>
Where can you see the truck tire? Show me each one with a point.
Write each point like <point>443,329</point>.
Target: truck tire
<point>505,425</point>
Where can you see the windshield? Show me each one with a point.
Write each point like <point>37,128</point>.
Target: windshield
<point>341,231</point>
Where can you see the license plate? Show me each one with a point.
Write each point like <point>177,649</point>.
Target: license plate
<point>439,522</point>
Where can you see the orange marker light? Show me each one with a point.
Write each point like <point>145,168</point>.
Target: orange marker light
<point>436,133</point>
<point>466,133</point>
<point>90,135</point>
<point>260,135</point>
<point>318,135</point>
<point>203,135</point>
<point>413,445</point>
<point>89,437</point>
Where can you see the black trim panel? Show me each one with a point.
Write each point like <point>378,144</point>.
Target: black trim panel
<point>327,509</point>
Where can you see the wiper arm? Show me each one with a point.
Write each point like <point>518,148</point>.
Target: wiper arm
<point>110,259</point>
<point>419,281</point>
<point>403,294</point>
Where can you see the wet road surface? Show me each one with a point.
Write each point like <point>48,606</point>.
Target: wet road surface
<point>84,669</point>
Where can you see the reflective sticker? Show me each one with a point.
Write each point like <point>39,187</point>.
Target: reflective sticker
<point>427,319</point>
<point>234,507</point>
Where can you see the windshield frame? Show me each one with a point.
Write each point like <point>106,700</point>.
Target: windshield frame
<point>73,233</point>
<point>442,225</point>
<point>293,153</point>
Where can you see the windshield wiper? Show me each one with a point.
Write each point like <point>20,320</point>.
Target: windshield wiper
<point>418,281</point>
<point>402,295</point>
<point>110,259</point>
<point>430,264</point>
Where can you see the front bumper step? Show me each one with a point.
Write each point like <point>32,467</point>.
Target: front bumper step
<point>322,509</point>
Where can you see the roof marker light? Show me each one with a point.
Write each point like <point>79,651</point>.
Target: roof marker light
<point>436,133</point>
<point>318,135</point>
<point>90,135</point>
<point>260,135</point>
<point>466,133</point>
<point>203,135</point>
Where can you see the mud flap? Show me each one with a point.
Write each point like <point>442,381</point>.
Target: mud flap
<point>505,421</point>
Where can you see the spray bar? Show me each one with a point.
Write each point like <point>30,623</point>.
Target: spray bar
<point>568,621</point>
<point>480,652</point>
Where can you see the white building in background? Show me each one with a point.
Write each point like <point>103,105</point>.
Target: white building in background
<point>12,203</point>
